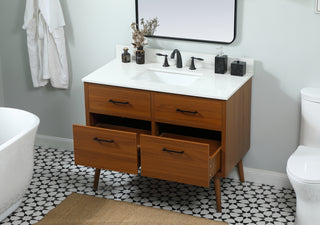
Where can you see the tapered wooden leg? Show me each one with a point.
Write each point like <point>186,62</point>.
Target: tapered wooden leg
<point>240,170</point>
<point>96,179</point>
<point>217,189</point>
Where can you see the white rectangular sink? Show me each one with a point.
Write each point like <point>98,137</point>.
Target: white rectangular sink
<point>168,77</point>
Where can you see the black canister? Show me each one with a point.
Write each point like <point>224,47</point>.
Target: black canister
<point>140,55</point>
<point>126,57</point>
<point>238,68</point>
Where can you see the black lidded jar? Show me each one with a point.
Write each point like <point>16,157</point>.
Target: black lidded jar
<point>238,68</point>
<point>126,57</point>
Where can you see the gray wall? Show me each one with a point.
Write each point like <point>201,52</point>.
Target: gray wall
<point>1,86</point>
<point>282,36</point>
<point>1,82</point>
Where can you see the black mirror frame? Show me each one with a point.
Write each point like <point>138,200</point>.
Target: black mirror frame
<point>189,39</point>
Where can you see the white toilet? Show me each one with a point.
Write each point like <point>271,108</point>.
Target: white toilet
<point>303,166</point>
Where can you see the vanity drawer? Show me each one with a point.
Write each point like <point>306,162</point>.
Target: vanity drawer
<point>181,159</point>
<point>118,101</point>
<point>105,148</point>
<point>190,111</point>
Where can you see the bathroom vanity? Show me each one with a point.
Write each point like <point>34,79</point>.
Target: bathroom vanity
<point>166,123</point>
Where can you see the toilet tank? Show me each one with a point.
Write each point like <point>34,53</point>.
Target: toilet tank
<point>310,117</point>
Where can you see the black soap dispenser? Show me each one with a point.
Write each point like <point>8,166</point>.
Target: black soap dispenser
<point>126,57</point>
<point>221,63</point>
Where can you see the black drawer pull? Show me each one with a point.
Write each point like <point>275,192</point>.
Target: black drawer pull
<point>186,111</point>
<point>167,150</point>
<point>118,102</point>
<point>103,140</point>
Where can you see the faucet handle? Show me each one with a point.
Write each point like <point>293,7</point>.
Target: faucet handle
<point>165,63</point>
<point>192,66</point>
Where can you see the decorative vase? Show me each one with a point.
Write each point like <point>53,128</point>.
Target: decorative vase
<point>126,57</point>
<point>140,55</point>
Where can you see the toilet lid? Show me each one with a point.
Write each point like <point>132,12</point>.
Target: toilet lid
<point>304,164</point>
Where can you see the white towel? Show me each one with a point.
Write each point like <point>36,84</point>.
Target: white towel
<point>43,22</point>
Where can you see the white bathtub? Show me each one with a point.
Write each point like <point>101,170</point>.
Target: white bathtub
<point>17,135</point>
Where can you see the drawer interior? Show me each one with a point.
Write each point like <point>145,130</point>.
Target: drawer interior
<point>198,134</point>
<point>122,123</point>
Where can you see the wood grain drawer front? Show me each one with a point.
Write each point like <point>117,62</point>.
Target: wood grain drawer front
<point>119,101</point>
<point>184,110</point>
<point>175,160</point>
<point>105,149</point>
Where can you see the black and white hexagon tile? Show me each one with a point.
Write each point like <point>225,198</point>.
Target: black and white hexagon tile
<point>55,177</point>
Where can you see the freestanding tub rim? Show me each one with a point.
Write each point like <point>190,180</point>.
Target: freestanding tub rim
<point>35,123</point>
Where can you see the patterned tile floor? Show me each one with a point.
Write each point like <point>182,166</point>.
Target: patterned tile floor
<point>56,177</point>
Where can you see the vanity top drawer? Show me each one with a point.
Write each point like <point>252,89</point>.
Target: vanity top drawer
<point>105,148</point>
<point>118,101</point>
<point>190,161</point>
<point>190,111</point>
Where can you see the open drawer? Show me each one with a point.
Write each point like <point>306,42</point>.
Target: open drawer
<point>106,148</point>
<point>180,158</point>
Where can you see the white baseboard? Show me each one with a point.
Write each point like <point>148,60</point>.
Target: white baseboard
<point>253,175</point>
<point>54,142</point>
<point>279,180</point>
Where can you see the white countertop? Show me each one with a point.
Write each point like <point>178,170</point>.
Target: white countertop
<point>209,84</point>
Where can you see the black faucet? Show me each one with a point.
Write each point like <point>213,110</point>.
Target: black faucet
<point>179,60</point>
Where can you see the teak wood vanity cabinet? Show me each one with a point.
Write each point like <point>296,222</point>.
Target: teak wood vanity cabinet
<point>173,137</point>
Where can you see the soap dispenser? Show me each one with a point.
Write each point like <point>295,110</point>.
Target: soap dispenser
<point>221,63</point>
<point>125,55</point>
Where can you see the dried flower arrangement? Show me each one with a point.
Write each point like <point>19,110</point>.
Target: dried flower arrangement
<point>148,27</point>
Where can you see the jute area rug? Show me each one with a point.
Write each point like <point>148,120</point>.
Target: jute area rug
<point>81,209</point>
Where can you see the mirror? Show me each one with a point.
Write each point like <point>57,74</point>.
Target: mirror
<point>201,20</point>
